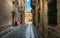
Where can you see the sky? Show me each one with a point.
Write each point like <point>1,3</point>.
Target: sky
<point>28,5</point>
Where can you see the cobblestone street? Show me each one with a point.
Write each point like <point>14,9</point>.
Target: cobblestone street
<point>22,31</point>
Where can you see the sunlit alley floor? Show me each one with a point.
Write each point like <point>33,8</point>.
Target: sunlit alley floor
<point>22,31</point>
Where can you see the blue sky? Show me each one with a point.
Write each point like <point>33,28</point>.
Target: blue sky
<point>28,5</point>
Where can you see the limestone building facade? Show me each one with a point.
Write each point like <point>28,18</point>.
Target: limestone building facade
<point>5,14</point>
<point>21,9</point>
<point>11,10</point>
<point>28,17</point>
<point>46,17</point>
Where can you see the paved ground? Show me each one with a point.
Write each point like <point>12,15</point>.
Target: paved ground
<point>2,28</point>
<point>22,31</point>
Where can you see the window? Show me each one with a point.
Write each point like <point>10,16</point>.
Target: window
<point>13,2</point>
<point>52,13</point>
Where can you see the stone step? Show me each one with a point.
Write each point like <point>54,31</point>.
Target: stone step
<point>6,31</point>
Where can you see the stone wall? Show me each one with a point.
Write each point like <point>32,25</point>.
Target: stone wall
<point>58,16</point>
<point>44,17</point>
<point>5,13</point>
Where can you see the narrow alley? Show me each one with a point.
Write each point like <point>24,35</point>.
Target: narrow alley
<point>29,18</point>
